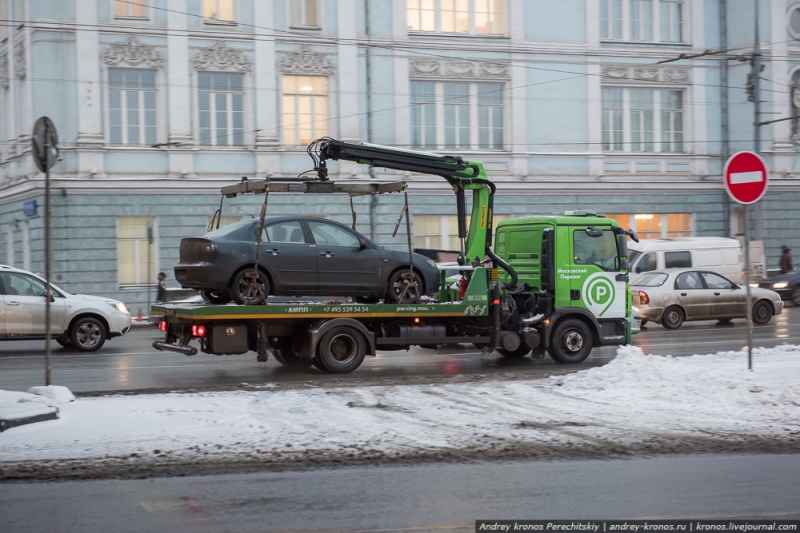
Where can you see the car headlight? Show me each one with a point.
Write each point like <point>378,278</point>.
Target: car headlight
<point>754,285</point>
<point>431,262</point>
<point>119,306</point>
<point>780,285</point>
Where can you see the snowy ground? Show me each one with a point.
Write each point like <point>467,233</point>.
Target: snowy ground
<point>635,404</point>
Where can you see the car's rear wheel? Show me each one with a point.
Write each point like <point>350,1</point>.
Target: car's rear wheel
<point>643,324</point>
<point>404,287</point>
<point>762,312</point>
<point>249,289</point>
<point>216,297</point>
<point>673,317</point>
<point>87,334</point>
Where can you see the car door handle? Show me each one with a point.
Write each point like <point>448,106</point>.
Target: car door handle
<point>274,251</point>
<point>13,303</point>
<point>327,254</point>
<point>683,294</point>
<point>716,294</point>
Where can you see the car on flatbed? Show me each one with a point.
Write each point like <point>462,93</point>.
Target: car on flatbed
<point>299,256</point>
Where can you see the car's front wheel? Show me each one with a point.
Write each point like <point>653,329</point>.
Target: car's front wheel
<point>762,312</point>
<point>87,334</point>
<point>249,289</point>
<point>404,287</point>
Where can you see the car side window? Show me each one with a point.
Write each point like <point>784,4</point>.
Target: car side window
<point>646,263</point>
<point>15,283</point>
<point>330,235</point>
<point>287,231</point>
<point>677,260</point>
<point>715,281</point>
<point>688,281</point>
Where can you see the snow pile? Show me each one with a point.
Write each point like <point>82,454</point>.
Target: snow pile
<point>636,402</point>
<point>19,405</point>
<point>56,393</point>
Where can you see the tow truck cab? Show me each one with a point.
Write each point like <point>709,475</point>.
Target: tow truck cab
<point>577,264</point>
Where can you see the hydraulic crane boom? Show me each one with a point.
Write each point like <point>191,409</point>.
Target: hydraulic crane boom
<point>462,174</point>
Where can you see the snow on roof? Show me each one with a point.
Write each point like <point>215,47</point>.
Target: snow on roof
<point>636,400</point>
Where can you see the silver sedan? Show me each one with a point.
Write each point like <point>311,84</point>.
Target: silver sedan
<point>670,297</point>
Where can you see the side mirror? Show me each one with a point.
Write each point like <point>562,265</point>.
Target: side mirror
<point>362,243</point>
<point>624,265</point>
<point>591,231</point>
<point>633,236</point>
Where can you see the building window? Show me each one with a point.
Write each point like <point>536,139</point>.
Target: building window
<point>220,104</point>
<point>471,115</point>
<point>631,118</point>
<point>303,13</point>
<point>305,109</point>
<point>642,20</point>
<point>440,232</point>
<point>134,254</point>
<point>130,8</point>
<point>475,17</point>
<point>794,21</point>
<point>657,226</point>
<point>132,106</point>
<point>221,10</point>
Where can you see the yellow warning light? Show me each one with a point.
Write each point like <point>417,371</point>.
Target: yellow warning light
<point>416,321</point>
<point>494,274</point>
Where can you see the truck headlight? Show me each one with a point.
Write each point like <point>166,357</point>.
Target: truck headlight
<point>780,285</point>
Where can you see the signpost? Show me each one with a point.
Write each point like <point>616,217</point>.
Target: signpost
<point>746,179</point>
<point>45,155</point>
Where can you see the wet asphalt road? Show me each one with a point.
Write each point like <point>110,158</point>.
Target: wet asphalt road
<point>130,363</point>
<point>445,497</point>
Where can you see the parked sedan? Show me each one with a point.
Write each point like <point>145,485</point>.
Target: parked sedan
<point>786,285</point>
<point>670,297</point>
<point>300,256</point>
<point>79,321</point>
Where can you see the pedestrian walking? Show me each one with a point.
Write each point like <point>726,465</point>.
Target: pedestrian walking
<point>161,294</point>
<point>786,260</point>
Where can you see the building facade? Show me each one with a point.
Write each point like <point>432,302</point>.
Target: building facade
<point>625,107</point>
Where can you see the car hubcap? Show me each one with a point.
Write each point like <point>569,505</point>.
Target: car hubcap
<point>250,290</point>
<point>343,349</point>
<point>406,287</point>
<point>672,318</point>
<point>761,312</point>
<point>573,341</point>
<point>89,335</point>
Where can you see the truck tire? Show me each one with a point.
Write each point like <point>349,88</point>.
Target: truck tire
<point>239,286</point>
<point>87,334</point>
<point>519,353</point>
<point>341,350</point>
<point>762,312</point>
<point>572,342</point>
<point>291,360</point>
<point>673,317</point>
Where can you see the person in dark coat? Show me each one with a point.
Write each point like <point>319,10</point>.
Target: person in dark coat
<point>161,293</point>
<point>786,260</point>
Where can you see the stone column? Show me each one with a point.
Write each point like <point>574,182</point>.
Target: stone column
<point>90,112</point>
<point>781,96</point>
<point>594,90</point>
<point>517,92</point>
<point>181,159</point>
<point>347,72</point>
<point>402,116</point>
<point>267,97</point>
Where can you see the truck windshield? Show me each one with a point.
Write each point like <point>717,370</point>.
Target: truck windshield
<point>598,251</point>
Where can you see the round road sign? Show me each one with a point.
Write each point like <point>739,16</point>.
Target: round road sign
<point>746,177</point>
<point>45,144</point>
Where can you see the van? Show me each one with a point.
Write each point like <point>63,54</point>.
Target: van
<point>710,253</point>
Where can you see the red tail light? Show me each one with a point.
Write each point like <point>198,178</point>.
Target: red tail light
<point>643,297</point>
<point>162,325</point>
<point>198,331</point>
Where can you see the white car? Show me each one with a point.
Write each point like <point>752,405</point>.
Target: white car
<point>78,320</point>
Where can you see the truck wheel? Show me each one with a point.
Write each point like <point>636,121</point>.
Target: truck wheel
<point>318,363</point>
<point>87,334</point>
<point>242,291</point>
<point>672,317</point>
<point>291,360</point>
<point>216,297</point>
<point>572,342</point>
<point>341,350</point>
<point>762,312</point>
<point>519,353</point>
<point>397,284</point>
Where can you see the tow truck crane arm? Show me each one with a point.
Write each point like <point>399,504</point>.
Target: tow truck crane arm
<point>461,174</point>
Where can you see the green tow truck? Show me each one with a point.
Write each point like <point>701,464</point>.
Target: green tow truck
<point>555,284</point>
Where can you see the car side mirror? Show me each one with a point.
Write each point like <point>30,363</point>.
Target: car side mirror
<point>362,243</point>
<point>624,265</point>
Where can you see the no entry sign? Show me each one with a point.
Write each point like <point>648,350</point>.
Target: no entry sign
<point>746,177</point>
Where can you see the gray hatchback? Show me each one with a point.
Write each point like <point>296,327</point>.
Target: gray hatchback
<point>300,256</point>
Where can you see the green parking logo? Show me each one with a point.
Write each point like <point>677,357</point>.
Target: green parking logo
<point>600,295</point>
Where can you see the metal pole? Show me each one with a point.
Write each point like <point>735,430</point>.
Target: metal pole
<point>373,204</point>
<point>723,37</point>
<point>756,63</point>
<point>48,291</point>
<point>748,300</point>
<point>149,269</point>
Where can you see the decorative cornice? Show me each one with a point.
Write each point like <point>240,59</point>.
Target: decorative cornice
<point>649,74</point>
<point>306,61</point>
<point>133,53</point>
<point>221,57</point>
<point>458,69</point>
<point>19,62</point>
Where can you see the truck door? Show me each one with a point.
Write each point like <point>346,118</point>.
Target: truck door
<point>594,271</point>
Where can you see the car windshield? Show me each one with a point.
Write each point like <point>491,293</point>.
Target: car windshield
<point>651,279</point>
<point>599,251</point>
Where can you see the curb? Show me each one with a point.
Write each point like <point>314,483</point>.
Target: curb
<point>21,421</point>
